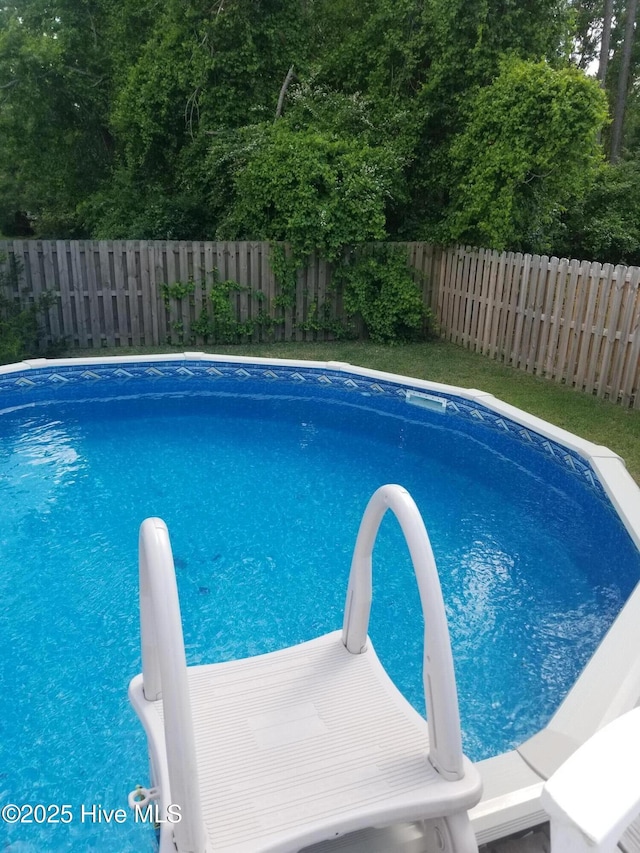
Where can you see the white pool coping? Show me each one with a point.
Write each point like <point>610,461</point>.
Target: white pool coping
<point>610,683</point>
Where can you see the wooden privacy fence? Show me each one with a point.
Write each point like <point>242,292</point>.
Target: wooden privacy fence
<point>135,293</point>
<point>574,322</point>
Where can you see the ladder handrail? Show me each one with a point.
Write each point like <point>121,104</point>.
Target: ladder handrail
<point>164,675</point>
<point>443,716</point>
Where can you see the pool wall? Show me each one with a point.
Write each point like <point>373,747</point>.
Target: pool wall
<point>610,683</point>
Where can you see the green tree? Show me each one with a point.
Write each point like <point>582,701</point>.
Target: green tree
<point>314,189</point>
<point>467,42</point>
<point>58,66</point>
<point>624,77</point>
<point>53,138</point>
<point>605,32</point>
<point>199,73</point>
<point>528,150</point>
<point>152,118</point>
<point>322,179</point>
<point>605,225</point>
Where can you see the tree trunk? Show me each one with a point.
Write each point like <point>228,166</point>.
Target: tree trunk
<point>623,82</point>
<point>605,41</point>
<point>283,92</point>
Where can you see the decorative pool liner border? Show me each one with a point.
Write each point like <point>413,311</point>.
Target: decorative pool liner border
<point>16,385</point>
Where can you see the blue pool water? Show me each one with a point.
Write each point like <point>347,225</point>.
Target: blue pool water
<point>263,488</point>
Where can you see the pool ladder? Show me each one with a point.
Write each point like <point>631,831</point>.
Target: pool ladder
<point>301,746</point>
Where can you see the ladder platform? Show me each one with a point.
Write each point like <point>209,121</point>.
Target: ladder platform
<point>305,744</point>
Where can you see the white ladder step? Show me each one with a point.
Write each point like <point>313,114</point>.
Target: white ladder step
<point>310,736</point>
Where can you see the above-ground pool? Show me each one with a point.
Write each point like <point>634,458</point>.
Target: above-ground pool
<point>262,471</point>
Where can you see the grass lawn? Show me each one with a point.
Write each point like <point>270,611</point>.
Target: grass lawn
<point>597,420</point>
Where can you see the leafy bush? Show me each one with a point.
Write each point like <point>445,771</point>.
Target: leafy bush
<point>315,182</point>
<point>528,150</point>
<point>379,288</point>
<point>310,189</point>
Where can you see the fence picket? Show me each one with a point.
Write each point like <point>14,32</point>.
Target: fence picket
<point>418,259</point>
<point>257,300</point>
<point>324,295</point>
<point>597,328</point>
<point>629,301</point>
<point>477,325</point>
<point>185,276</point>
<point>454,299</point>
<point>120,313</point>
<point>511,304</point>
<point>268,286</point>
<point>33,273</point>
<point>467,294</point>
<point>171,271</point>
<point>520,311</point>
<point>431,270</point>
<point>95,315</point>
<point>545,317</point>
<point>582,294</point>
<point>489,302</point>
<point>244,279</point>
<point>442,298</point>
<point>35,278</point>
<point>611,323</point>
<point>145,299</point>
<point>595,275</point>
<point>468,297</point>
<point>105,279</point>
<point>52,285</point>
<point>502,288</point>
<point>559,288</point>
<point>633,383</point>
<point>566,321</point>
<point>298,309</point>
<point>537,311</point>
<point>196,300</point>
<point>311,287</point>
<point>77,291</point>
<point>20,256</point>
<point>152,314</point>
<point>631,376</point>
<point>529,312</point>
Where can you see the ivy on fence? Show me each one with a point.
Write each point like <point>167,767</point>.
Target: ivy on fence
<point>20,329</point>
<point>217,321</point>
